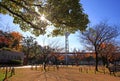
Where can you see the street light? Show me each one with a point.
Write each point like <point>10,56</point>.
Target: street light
<point>66,45</point>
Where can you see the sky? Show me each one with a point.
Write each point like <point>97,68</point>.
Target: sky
<point>97,10</point>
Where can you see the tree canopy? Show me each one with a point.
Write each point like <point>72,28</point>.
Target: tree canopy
<point>64,15</point>
<point>10,40</point>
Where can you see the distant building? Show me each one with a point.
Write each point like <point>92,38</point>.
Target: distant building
<point>6,56</point>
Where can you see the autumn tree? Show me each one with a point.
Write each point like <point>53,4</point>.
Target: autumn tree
<point>54,46</point>
<point>64,15</point>
<point>61,58</point>
<point>76,56</point>
<point>49,52</point>
<point>108,52</point>
<point>10,40</point>
<point>46,54</point>
<point>5,39</point>
<point>2,39</point>
<point>57,48</point>
<point>97,35</point>
<point>16,39</point>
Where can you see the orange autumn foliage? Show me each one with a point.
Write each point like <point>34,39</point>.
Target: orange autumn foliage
<point>16,35</point>
<point>87,55</point>
<point>61,57</point>
<point>4,40</point>
<point>103,45</point>
<point>16,38</point>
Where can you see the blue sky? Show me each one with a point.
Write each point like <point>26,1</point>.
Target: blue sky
<point>97,11</point>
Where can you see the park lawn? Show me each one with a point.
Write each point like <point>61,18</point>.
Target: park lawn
<point>63,74</point>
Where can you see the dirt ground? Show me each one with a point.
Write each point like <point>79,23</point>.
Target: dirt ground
<point>63,74</point>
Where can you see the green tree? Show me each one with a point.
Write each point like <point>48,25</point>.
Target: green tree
<point>65,15</point>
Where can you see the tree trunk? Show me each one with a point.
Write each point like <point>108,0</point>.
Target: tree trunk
<point>96,65</point>
<point>44,62</point>
<point>76,61</point>
<point>26,58</point>
<point>44,66</point>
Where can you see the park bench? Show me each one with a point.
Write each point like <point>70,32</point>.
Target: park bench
<point>114,69</point>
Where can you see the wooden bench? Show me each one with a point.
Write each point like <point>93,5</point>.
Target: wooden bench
<point>114,69</point>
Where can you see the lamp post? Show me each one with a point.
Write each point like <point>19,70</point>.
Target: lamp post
<point>66,46</point>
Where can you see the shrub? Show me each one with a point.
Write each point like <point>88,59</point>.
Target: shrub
<point>15,62</point>
<point>12,62</point>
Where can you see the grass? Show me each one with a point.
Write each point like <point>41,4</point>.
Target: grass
<point>2,74</point>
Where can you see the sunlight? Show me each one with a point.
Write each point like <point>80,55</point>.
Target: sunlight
<point>42,17</point>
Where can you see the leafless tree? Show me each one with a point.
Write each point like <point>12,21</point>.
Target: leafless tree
<point>56,45</point>
<point>49,52</point>
<point>57,48</point>
<point>94,37</point>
